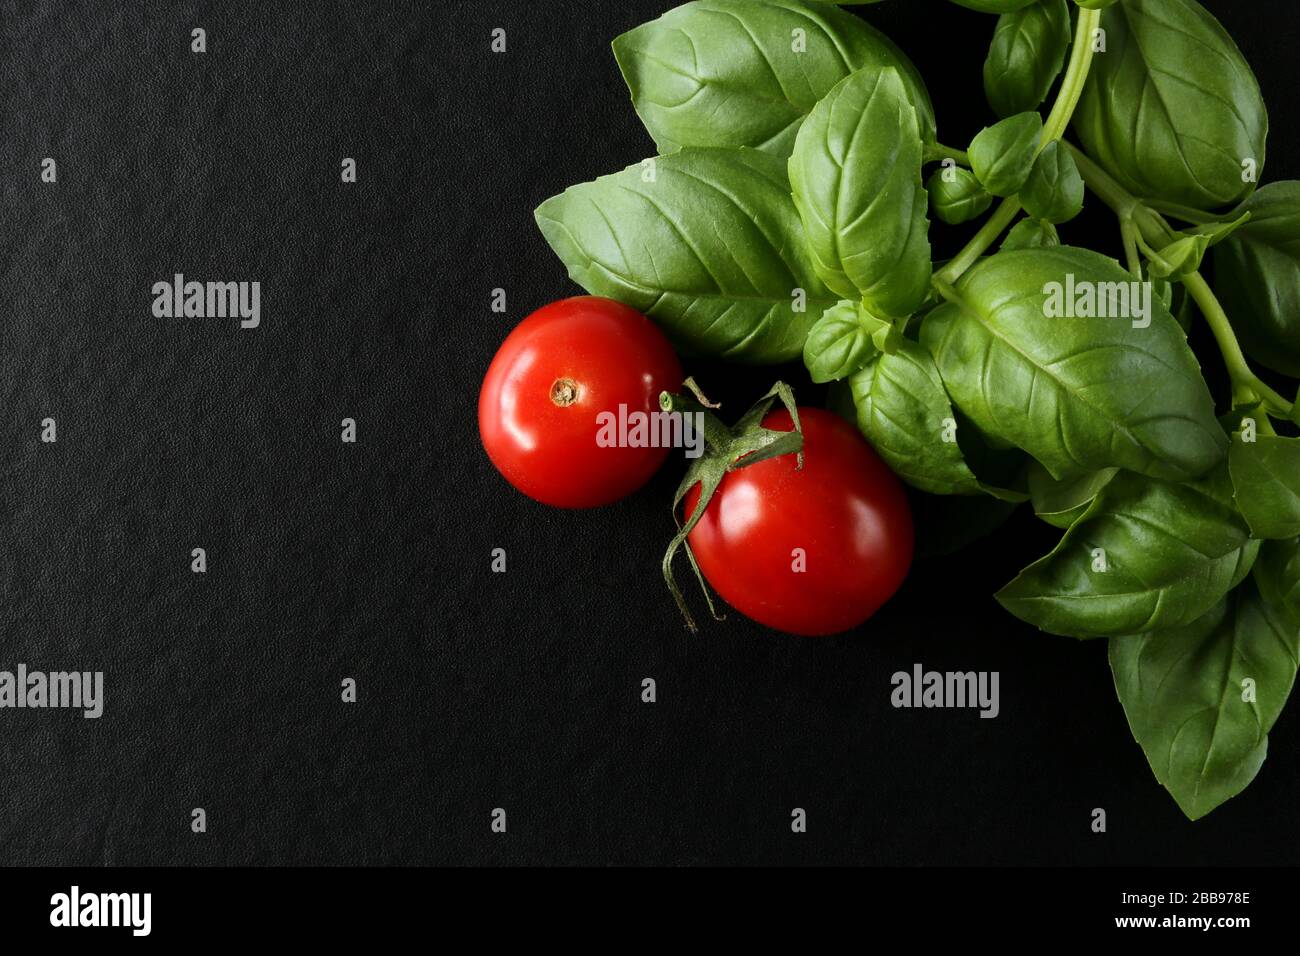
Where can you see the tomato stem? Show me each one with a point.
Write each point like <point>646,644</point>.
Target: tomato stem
<point>726,449</point>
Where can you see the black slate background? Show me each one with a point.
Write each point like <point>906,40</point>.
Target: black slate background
<point>326,561</point>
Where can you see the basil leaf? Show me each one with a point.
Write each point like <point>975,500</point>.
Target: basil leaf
<point>1257,277</point>
<point>1002,155</point>
<point>856,176</point>
<point>1266,483</point>
<point>1201,699</point>
<point>1030,234</point>
<point>841,342</point>
<point>904,412</point>
<point>1147,554</point>
<point>1172,109</point>
<point>706,242</point>
<point>1054,190</point>
<point>1078,394</point>
<point>956,196</point>
<point>1216,232</point>
<point>747,72</point>
<point>1180,258</point>
<point>1095,4</point>
<point>1061,502</point>
<point>1277,573</point>
<point>1026,55</point>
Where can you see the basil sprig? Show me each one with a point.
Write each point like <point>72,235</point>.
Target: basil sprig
<point>787,216</point>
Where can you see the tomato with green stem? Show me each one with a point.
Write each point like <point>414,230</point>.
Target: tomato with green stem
<point>811,550</point>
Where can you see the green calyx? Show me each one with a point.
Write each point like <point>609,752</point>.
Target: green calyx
<point>726,449</point>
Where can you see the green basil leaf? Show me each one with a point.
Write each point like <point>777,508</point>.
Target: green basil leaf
<point>1201,699</point>
<point>856,176</point>
<point>1026,55</point>
<point>1002,155</point>
<point>1077,393</point>
<point>956,196</point>
<point>1172,109</point>
<point>1030,234</point>
<point>1277,573</point>
<point>1054,190</point>
<point>1266,483</point>
<point>841,342</point>
<point>1062,502</point>
<point>1095,4</point>
<point>1180,258</point>
<point>1147,554</point>
<point>706,242</point>
<point>1216,232</point>
<point>747,72</point>
<point>1257,277</point>
<point>904,412</point>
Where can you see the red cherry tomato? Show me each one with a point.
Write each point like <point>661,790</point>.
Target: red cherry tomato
<point>845,510</point>
<point>555,373</point>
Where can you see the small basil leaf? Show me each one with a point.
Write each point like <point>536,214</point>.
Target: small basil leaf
<point>841,343</point>
<point>1147,554</point>
<point>1277,572</point>
<point>1266,483</point>
<point>650,237</point>
<point>956,196</point>
<point>1216,232</point>
<point>729,72</point>
<point>1054,189</point>
<point>1030,234</point>
<point>904,412</point>
<point>856,177</point>
<point>1002,155</point>
<point>1027,53</point>
<point>1257,277</point>
<point>1180,258</point>
<point>1048,350</point>
<point>1202,698</point>
<point>1061,502</point>
<point>1172,109</point>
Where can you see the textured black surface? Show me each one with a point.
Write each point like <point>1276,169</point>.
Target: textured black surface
<point>326,561</point>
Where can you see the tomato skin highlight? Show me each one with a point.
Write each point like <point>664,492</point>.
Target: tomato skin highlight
<point>555,372</point>
<point>845,509</point>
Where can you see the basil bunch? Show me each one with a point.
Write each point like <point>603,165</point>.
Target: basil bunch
<point>788,215</point>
